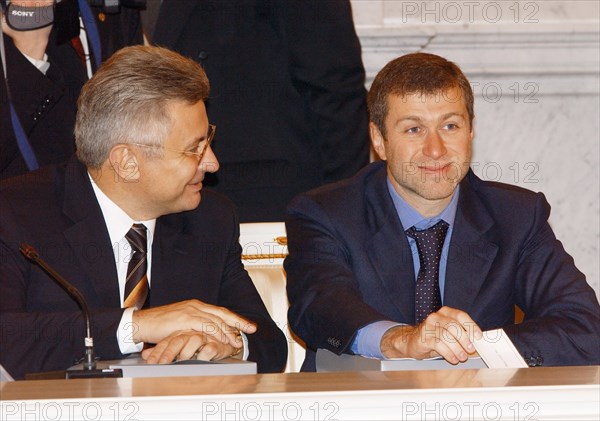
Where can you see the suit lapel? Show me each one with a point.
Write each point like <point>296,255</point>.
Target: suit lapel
<point>388,248</point>
<point>88,236</point>
<point>167,248</point>
<point>471,252</point>
<point>167,32</point>
<point>182,263</point>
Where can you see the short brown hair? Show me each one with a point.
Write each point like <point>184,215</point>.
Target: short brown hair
<point>126,101</point>
<point>416,73</point>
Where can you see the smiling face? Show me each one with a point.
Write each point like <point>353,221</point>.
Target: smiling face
<point>172,183</point>
<point>427,147</point>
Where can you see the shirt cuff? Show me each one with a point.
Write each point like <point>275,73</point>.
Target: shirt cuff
<point>125,333</point>
<point>368,339</point>
<point>245,343</point>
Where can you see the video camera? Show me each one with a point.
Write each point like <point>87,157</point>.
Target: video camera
<point>27,18</point>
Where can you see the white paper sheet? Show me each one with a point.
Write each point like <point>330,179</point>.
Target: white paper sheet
<point>497,350</point>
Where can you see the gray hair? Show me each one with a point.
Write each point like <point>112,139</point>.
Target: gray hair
<point>127,100</point>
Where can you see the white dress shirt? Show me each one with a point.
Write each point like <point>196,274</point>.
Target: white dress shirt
<point>118,224</point>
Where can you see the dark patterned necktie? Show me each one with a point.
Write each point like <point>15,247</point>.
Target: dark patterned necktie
<point>136,284</point>
<point>429,246</point>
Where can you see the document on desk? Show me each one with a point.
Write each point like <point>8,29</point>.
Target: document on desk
<point>327,361</point>
<point>497,350</point>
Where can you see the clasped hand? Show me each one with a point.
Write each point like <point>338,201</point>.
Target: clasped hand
<point>448,333</point>
<point>189,328</point>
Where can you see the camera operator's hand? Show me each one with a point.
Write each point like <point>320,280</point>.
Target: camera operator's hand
<point>31,43</point>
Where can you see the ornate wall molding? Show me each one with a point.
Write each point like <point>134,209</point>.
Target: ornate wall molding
<point>565,57</point>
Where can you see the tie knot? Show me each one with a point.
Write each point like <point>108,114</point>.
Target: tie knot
<point>137,237</point>
<point>430,238</point>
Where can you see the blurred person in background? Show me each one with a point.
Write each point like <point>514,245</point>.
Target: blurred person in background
<point>287,79</point>
<point>51,48</point>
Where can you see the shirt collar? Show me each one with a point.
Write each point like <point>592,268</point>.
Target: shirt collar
<point>410,217</point>
<point>117,221</point>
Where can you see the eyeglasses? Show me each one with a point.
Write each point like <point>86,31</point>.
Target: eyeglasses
<point>200,150</point>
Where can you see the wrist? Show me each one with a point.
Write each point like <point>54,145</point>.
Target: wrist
<point>394,343</point>
<point>136,318</point>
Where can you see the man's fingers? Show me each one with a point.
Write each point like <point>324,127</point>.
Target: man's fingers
<point>193,344</point>
<point>146,353</point>
<point>153,355</point>
<point>448,332</point>
<point>155,324</point>
<point>457,338</point>
<point>180,346</point>
<point>210,351</point>
<point>168,349</point>
<point>468,324</point>
<point>457,326</point>
<point>446,352</point>
<point>228,318</point>
<point>218,330</point>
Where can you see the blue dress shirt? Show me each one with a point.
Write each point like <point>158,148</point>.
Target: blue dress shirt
<point>368,339</point>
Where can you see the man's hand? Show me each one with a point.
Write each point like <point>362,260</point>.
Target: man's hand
<point>188,344</point>
<point>221,325</point>
<point>448,332</point>
<point>31,43</point>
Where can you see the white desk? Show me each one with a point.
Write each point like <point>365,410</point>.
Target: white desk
<point>565,393</point>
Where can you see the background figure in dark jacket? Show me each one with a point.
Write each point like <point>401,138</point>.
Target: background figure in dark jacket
<point>45,99</point>
<point>287,93</point>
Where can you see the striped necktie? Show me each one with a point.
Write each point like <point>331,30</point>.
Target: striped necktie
<point>136,284</point>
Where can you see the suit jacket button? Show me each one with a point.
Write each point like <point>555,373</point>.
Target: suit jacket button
<point>202,55</point>
<point>334,342</point>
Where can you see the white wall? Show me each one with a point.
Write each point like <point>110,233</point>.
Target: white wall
<point>535,69</point>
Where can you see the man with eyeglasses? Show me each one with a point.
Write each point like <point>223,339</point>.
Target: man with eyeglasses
<point>127,222</point>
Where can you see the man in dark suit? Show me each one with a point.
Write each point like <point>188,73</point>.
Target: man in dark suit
<point>415,255</point>
<point>287,79</point>
<point>124,223</point>
<point>46,74</point>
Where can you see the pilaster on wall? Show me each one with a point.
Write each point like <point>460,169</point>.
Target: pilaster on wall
<point>534,67</point>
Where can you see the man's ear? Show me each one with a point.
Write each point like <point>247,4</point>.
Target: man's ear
<point>472,134</point>
<point>124,163</point>
<point>377,141</point>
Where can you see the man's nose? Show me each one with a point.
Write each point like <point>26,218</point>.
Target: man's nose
<point>209,161</point>
<point>434,145</point>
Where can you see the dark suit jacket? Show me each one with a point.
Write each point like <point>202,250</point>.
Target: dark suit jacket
<point>287,93</point>
<point>195,254</point>
<point>350,264</point>
<point>46,104</point>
